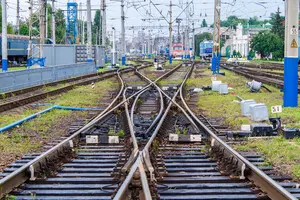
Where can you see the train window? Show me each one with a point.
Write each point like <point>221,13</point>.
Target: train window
<point>9,45</point>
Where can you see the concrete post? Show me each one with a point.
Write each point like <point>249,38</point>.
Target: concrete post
<point>53,23</point>
<point>89,31</point>
<point>4,36</point>
<point>290,96</point>
<point>123,43</point>
<point>170,35</point>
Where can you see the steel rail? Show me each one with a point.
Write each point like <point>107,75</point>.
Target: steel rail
<point>135,151</point>
<point>20,175</point>
<point>133,155</point>
<point>170,99</point>
<point>29,170</point>
<point>266,184</point>
<point>140,158</point>
<point>147,146</point>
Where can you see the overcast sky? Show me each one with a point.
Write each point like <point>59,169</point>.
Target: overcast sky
<point>136,10</point>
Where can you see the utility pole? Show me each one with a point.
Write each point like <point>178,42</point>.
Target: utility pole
<point>53,22</point>
<point>18,17</point>
<point>187,31</point>
<point>83,31</point>
<point>290,95</point>
<point>89,31</point>
<point>46,19</point>
<point>193,41</point>
<point>149,44</point>
<point>216,46</point>
<point>170,36</point>
<point>103,23</point>
<point>114,48</point>
<point>178,21</point>
<point>30,30</point>
<point>80,22</point>
<point>42,25</point>
<point>4,36</point>
<point>123,43</point>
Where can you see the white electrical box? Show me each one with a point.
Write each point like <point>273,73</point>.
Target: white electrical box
<point>91,139</point>
<point>215,85</point>
<point>223,88</point>
<point>245,106</point>
<point>259,112</point>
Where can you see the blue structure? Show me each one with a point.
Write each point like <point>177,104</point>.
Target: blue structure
<point>215,63</point>
<point>290,88</point>
<point>71,31</point>
<point>206,49</point>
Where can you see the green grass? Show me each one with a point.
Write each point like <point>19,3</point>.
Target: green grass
<point>170,81</point>
<point>9,118</point>
<point>280,152</point>
<point>32,135</point>
<point>52,88</point>
<point>259,61</point>
<point>85,96</point>
<point>213,104</point>
<point>16,68</point>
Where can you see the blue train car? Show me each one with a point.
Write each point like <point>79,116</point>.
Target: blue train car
<point>17,46</point>
<point>206,49</point>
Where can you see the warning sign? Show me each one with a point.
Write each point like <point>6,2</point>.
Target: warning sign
<point>294,44</point>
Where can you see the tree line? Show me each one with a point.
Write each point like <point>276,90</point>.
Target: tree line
<point>264,43</point>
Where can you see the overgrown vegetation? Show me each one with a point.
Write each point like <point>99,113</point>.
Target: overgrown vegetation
<point>32,135</point>
<point>213,105</point>
<point>279,152</point>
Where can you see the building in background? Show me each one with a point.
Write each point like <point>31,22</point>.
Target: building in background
<point>239,40</point>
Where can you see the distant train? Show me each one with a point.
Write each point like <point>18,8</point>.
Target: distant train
<point>17,46</point>
<point>206,49</point>
<point>177,50</point>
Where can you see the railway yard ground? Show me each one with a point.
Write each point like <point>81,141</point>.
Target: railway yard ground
<point>31,136</point>
<point>225,111</point>
<point>142,133</point>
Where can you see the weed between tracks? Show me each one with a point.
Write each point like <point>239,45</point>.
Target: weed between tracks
<point>32,135</point>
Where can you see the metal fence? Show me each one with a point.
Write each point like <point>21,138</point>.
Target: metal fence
<point>25,78</point>
<point>67,54</point>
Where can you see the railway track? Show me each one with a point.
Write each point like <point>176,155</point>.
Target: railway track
<point>164,151</point>
<point>81,161</point>
<point>268,77</point>
<point>25,96</point>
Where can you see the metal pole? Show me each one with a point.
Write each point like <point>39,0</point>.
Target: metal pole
<point>123,33</point>
<point>42,25</point>
<point>290,96</point>
<point>149,36</point>
<point>216,45</point>
<point>114,48</point>
<point>4,37</point>
<point>53,23</point>
<point>89,31</point>
<point>46,18</point>
<point>30,30</point>
<point>170,36</point>
<point>103,24</point>
<point>83,31</point>
<point>80,22</point>
<point>194,45</point>
<point>18,17</point>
